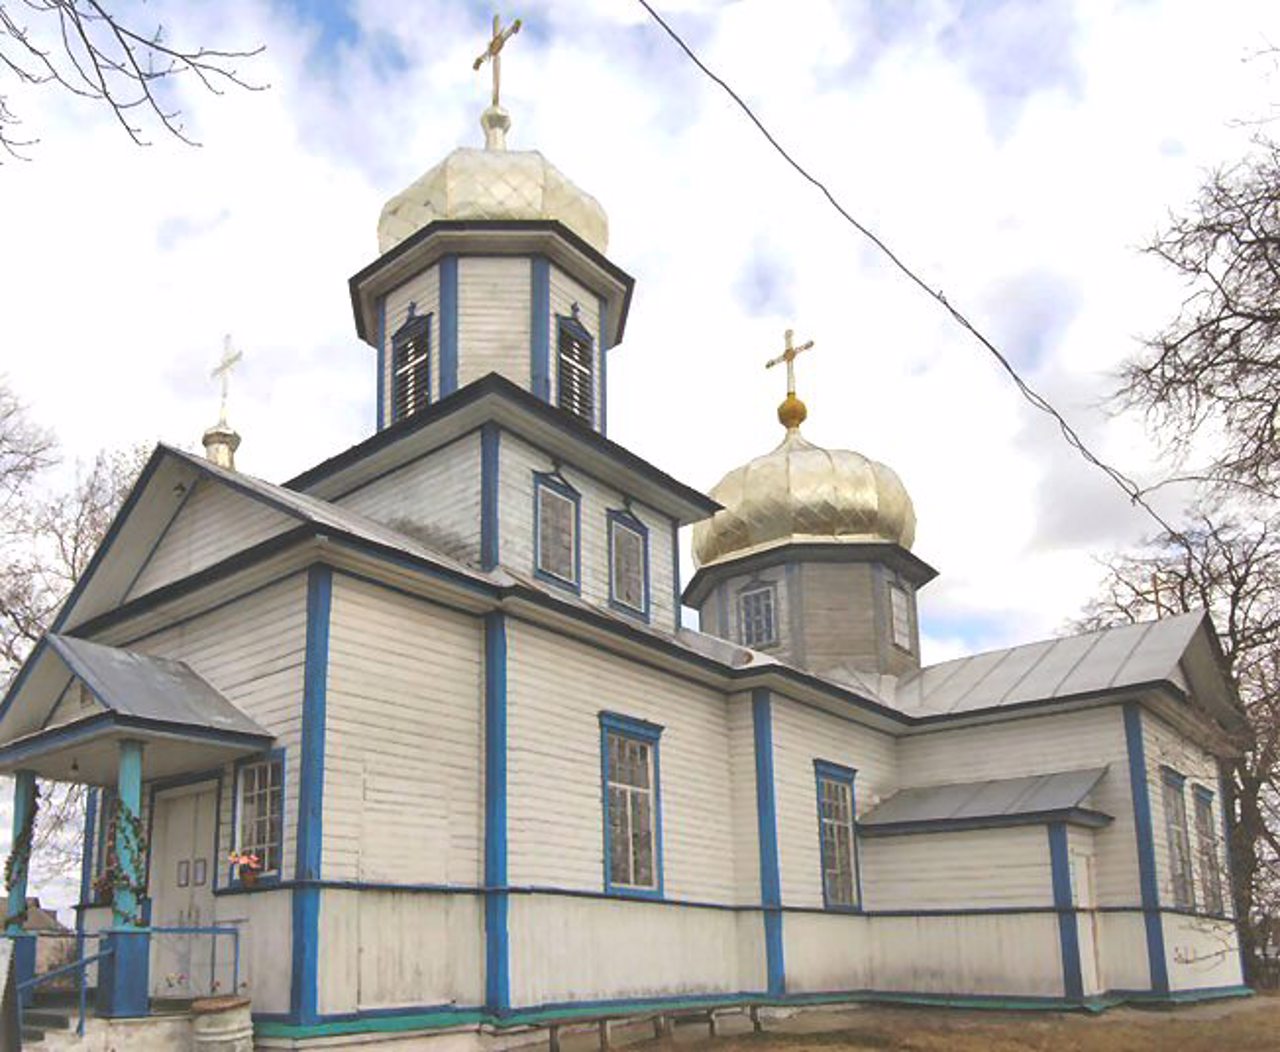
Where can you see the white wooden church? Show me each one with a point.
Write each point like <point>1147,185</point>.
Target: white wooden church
<point>416,743</point>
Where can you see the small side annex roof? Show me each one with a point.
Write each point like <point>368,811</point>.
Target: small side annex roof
<point>1060,796</point>
<point>48,728</point>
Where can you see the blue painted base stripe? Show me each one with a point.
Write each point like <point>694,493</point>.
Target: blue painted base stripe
<point>441,1016</point>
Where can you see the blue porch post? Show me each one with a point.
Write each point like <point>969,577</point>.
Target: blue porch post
<point>123,978</point>
<point>24,945</point>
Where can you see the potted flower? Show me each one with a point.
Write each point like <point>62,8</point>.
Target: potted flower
<point>248,867</point>
<point>104,886</point>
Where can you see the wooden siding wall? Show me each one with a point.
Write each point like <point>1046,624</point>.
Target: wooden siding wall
<point>556,688</point>
<point>721,616</point>
<point>1165,747</point>
<point>1037,745</point>
<point>802,734</point>
<point>423,291</point>
<point>213,524</point>
<point>565,292</point>
<point>970,869</point>
<point>746,831</point>
<point>435,498</point>
<point>519,461</point>
<point>390,949</point>
<point>403,799</point>
<point>606,950</point>
<point>1201,952</point>
<point>493,319</point>
<point>994,954</point>
<point>253,652</point>
<point>265,920</point>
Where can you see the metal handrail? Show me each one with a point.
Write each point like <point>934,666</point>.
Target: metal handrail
<point>75,966</point>
<point>81,965</point>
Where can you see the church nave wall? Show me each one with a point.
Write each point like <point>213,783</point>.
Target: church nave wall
<point>403,798</point>
<point>435,498</point>
<point>802,734</point>
<point>556,689</point>
<point>519,462</point>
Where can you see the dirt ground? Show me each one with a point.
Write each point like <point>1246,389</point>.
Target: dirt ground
<point>1243,1025</point>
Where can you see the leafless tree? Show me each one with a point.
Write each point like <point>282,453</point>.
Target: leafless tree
<point>1229,566</point>
<point>83,47</point>
<point>1216,367</point>
<point>48,540</point>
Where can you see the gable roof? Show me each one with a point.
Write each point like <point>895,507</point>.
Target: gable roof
<point>1004,801</point>
<point>1110,659</point>
<point>494,398</point>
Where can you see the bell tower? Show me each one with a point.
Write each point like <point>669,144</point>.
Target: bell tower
<point>492,261</point>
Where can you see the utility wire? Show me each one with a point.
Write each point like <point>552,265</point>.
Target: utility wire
<point>1126,484</point>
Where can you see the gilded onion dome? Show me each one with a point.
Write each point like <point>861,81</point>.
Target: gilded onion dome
<point>493,183</point>
<point>802,493</point>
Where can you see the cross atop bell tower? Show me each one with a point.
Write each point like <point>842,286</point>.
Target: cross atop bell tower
<point>792,411</point>
<point>495,120</point>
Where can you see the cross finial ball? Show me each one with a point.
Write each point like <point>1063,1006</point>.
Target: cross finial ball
<point>792,411</point>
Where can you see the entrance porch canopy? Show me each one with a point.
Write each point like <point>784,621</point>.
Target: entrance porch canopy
<point>76,701</point>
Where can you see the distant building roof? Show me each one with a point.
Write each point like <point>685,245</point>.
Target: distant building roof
<point>38,918</point>
<point>1059,796</point>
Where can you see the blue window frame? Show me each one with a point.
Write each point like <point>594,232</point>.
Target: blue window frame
<point>628,563</point>
<point>1207,851</point>
<point>411,366</point>
<point>557,544</point>
<point>631,791</point>
<point>257,814</point>
<point>837,835</point>
<point>1178,837</point>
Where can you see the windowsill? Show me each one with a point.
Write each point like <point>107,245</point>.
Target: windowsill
<point>559,582</point>
<point>830,908</point>
<point>630,611</point>
<point>647,894</point>
<point>236,884</point>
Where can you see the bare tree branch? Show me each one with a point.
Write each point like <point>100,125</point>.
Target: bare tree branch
<point>81,47</point>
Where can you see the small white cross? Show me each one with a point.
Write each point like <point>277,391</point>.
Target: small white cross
<point>222,371</point>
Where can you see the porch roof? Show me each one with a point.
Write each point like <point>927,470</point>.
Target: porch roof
<point>128,696</point>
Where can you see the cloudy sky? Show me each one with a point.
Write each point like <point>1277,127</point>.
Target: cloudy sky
<point>1016,153</point>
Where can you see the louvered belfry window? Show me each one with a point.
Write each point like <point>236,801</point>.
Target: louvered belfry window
<point>411,367</point>
<point>574,379</point>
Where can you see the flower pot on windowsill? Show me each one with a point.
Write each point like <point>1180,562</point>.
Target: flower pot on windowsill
<point>249,876</point>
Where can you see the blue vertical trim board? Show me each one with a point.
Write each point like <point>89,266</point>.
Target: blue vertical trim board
<point>824,770</point>
<point>381,422</point>
<point>556,482</point>
<point>304,991</point>
<point>1140,792</point>
<point>626,519</point>
<point>490,449</point>
<point>602,312</point>
<point>497,946</point>
<point>1068,931</point>
<point>649,733</point>
<point>448,325</point>
<point>767,827</point>
<point>540,327</point>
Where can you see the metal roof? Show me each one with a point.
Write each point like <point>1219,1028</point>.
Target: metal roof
<point>152,688</point>
<point>973,803</point>
<point>1105,660</point>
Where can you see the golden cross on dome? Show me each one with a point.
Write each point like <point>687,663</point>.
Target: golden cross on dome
<point>792,411</point>
<point>222,371</point>
<point>494,51</point>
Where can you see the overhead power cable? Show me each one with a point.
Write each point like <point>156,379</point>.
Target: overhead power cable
<point>1069,433</point>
